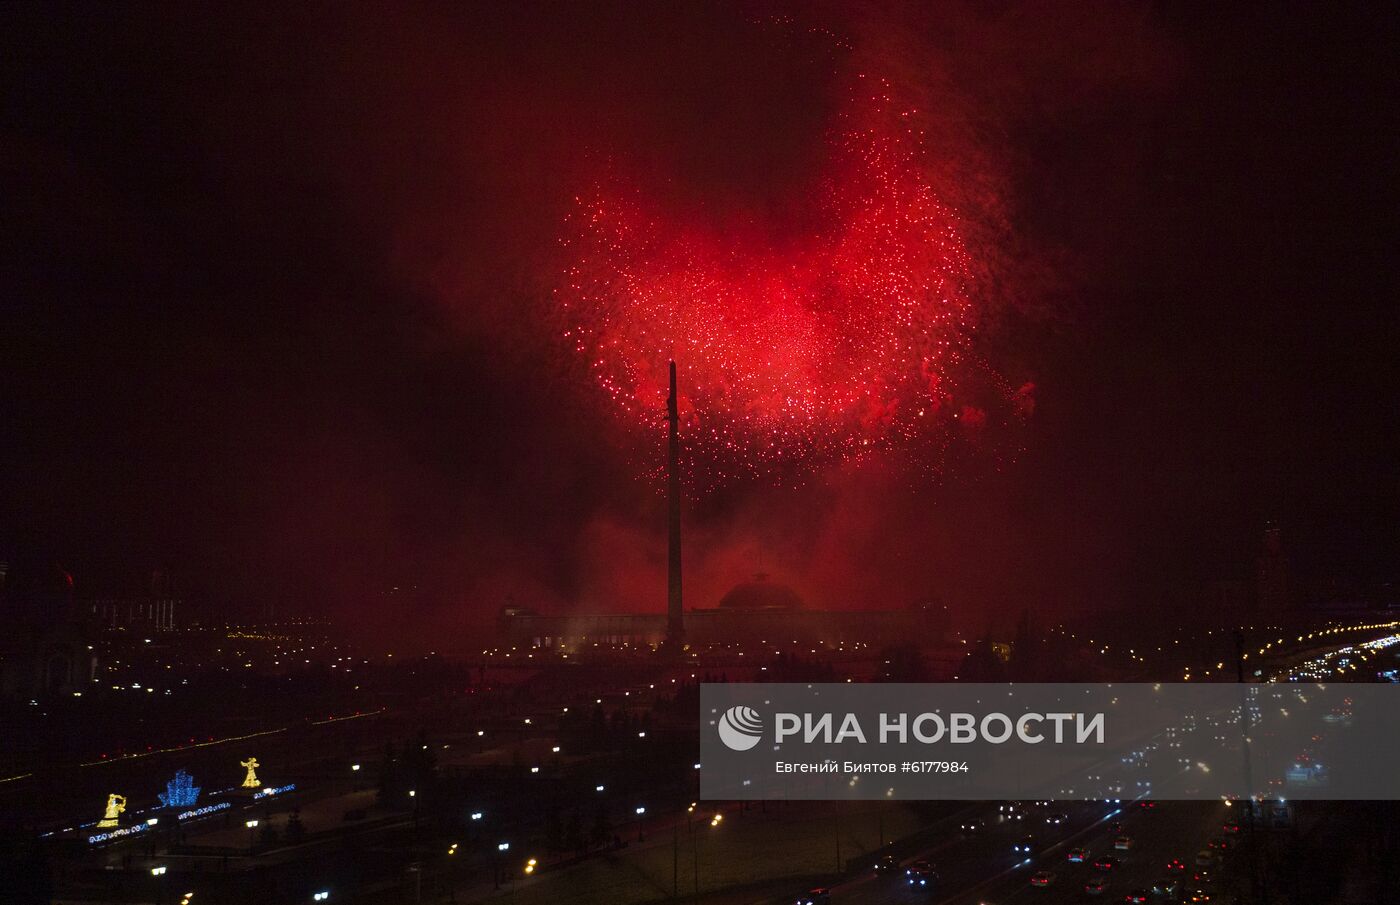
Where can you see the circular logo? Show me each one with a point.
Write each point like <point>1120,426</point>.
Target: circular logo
<point>740,728</point>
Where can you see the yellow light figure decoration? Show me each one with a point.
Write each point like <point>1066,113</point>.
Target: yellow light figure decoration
<point>115,805</point>
<point>251,781</point>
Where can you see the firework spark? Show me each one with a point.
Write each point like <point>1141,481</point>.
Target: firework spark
<point>855,338</point>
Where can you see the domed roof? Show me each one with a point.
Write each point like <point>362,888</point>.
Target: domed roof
<point>761,594</point>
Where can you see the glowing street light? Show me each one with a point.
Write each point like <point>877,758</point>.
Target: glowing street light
<point>158,871</point>
<point>530,866</point>
<point>477,815</point>
<point>503,846</point>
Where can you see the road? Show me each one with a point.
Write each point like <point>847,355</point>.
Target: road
<point>982,868</point>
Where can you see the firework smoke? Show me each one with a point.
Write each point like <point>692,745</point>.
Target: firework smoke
<point>852,336</point>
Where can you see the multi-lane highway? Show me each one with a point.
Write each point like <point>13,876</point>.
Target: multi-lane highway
<point>983,866</point>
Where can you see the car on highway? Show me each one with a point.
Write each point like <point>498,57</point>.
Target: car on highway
<point>1147,804</point>
<point>1011,810</point>
<point>975,825</point>
<point>1176,866</point>
<point>1219,844</point>
<point>1230,828</point>
<point>887,864</point>
<point>1078,855</point>
<point>817,896</point>
<point>1096,885</point>
<point>1106,864</point>
<point>921,864</point>
<point>1055,818</point>
<point>1202,876</point>
<point>1197,896</point>
<point>1167,888</point>
<point>1043,878</point>
<point>1024,846</point>
<point>1123,843</point>
<point>1136,897</point>
<point>923,878</point>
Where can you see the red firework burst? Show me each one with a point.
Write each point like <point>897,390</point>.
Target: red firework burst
<point>855,338</point>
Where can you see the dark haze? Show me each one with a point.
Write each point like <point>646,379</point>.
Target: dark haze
<point>275,284</point>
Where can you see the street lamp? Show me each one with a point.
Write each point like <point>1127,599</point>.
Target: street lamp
<point>641,811</point>
<point>251,825</point>
<point>501,847</point>
<point>159,872</point>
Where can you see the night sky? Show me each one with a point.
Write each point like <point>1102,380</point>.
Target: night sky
<point>277,299</point>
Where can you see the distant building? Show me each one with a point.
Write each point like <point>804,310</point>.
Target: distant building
<point>751,612</point>
<point>44,641</point>
<point>153,611</point>
<point>135,614</point>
